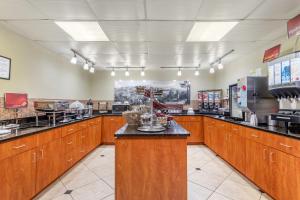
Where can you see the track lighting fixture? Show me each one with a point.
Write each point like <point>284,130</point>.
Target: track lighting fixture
<point>86,66</point>
<point>212,70</point>
<point>179,73</point>
<point>113,73</point>
<point>143,72</point>
<point>220,65</point>
<point>127,72</point>
<point>74,59</point>
<point>92,70</point>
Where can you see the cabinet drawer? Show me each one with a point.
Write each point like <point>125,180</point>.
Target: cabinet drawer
<point>187,118</point>
<point>67,130</point>
<point>48,136</point>
<point>255,135</point>
<point>285,144</point>
<point>237,130</point>
<point>82,125</point>
<point>92,122</point>
<point>69,142</point>
<point>69,159</point>
<point>17,146</point>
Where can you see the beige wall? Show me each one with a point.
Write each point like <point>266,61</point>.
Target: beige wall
<point>103,83</point>
<point>39,72</point>
<point>250,63</point>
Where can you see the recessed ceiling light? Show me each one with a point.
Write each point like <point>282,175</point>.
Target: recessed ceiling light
<point>210,31</point>
<point>83,31</point>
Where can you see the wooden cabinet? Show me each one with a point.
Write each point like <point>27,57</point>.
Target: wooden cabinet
<point>209,129</point>
<point>110,125</point>
<point>269,160</point>
<point>48,163</point>
<point>236,147</point>
<point>17,176</point>
<point>257,167</point>
<point>283,175</point>
<point>193,124</point>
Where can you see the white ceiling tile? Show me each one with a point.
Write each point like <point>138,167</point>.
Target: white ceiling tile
<point>124,30</point>
<point>256,30</point>
<point>226,10</point>
<point>135,60</point>
<point>132,47</point>
<point>44,30</point>
<point>173,9</point>
<point>277,9</point>
<point>165,48</point>
<point>168,30</point>
<point>18,9</point>
<point>106,60</point>
<point>161,60</point>
<point>64,9</point>
<point>118,9</point>
<point>86,48</point>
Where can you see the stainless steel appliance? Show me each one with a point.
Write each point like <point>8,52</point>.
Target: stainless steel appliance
<point>284,84</point>
<point>254,97</point>
<point>234,109</point>
<point>119,108</point>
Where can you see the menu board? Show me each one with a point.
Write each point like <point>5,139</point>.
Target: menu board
<point>285,72</point>
<point>277,73</point>
<point>271,75</point>
<point>295,69</point>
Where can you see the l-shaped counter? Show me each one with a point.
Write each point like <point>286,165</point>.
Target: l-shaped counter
<point>39,156</point>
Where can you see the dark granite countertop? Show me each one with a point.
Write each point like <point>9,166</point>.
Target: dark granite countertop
<point>262,127</point>
<point>174,130</point>
<point>34,130</point>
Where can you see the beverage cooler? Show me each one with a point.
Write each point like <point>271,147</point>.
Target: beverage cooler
<point>284,84</point>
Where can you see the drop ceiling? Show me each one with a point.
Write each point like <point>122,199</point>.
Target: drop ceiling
<point>150,32</point>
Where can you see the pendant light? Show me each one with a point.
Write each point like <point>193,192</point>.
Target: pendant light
<point>86,66</point>
<point>92,70</point>
<point>74,59</point>
<point>220,65</point>
<point>127,72</point>
<point>143,72</point>
<point>179,73</point>
<point>113,73</point>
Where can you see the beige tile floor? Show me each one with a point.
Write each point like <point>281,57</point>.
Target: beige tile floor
<point>209,177</point>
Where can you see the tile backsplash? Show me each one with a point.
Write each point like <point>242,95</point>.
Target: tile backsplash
<point>6,114</point>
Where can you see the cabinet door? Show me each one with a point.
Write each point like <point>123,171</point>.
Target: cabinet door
<point>208,128</point>
<point>284,175</point>
<point>220,139</point>
<point>17,176</point>
<point>110,126</point>
<point>92,137</point>
<point>48,163</point>
<point>82,143</point>
<point>236,151</point>
<point>98,131</point>
<point>257,167</point>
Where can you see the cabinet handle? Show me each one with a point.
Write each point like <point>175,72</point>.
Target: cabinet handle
<point>271,157</point>
<point>255,136</point>
<point>70,142</point>
<point>34,157</point>
<point>19,147</point>
<point>265,154</point>
<point>70,160</point>
<point>285,145</point>
<point>71,129</point>
<point>42,153</point>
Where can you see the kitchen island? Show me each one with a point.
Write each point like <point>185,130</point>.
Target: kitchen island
<point>151,165</point>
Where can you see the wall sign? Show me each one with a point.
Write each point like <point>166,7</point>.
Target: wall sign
<point>293,26</point>
<point>5,65</point>
<point>272,53</point>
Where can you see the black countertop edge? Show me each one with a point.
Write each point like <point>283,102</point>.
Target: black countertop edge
<point>270,129</point>
<point>32,131</point>
<point>175,131</point>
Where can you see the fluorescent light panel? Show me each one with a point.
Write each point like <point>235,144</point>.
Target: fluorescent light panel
<point>210,31</point>
<point>83,31</point>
